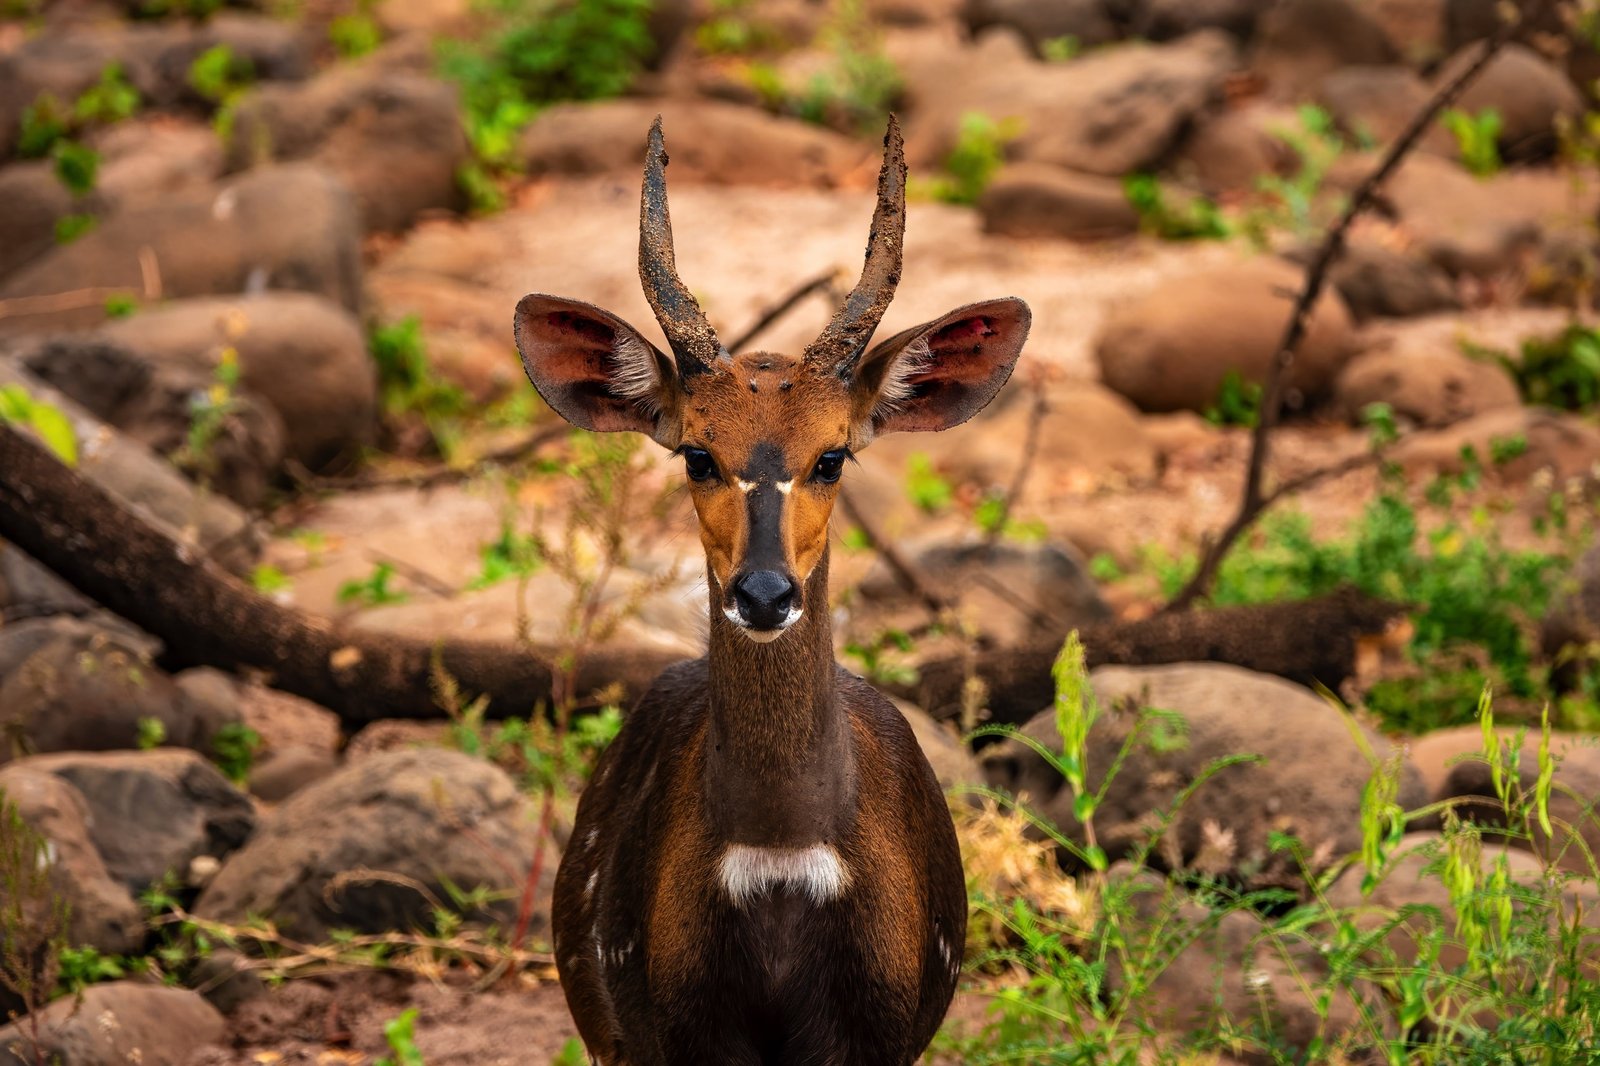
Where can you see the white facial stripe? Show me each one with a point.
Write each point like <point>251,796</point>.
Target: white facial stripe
<point>816,872</point>
<point>785,487</point>
<point>744,486</point>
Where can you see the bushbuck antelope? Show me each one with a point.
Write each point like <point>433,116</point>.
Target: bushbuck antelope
<point>763,869</point>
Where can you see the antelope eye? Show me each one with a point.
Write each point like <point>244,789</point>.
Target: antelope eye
<point>829,466</point>
<point>698,464</point>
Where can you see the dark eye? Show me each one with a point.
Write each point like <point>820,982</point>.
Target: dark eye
<point>830,466</point>
<point>698,464</point>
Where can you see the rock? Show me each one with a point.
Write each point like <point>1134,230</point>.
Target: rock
<point>1045,581</point>
<point>1427,388</point>
<point>1171,348</point>
<point>711,141</point>
<point>1163,20</point>
<point>1037,21</point>
<point>430,815</point>
<point>394,138</point>
<point>1565,270</point>
<point>1570,628</point>
<point>1303,41</point>
<point>226,981</point>
<point>1531,95</point>
<point>303,355</point>
<point>121,1022</point>
<point>1228,152</point>
<point>89,691</point>
<point>1415,27</point>
<point>286,771</point>
<point>288,227</point>
<point>284,721</point>
<point>1376,282</point>
<point>102,912</point>
<point>1379,103</point>
<point>154,812</point>
<point>154,405</point>
<point>28,590</point>
<point>1308,783</point>
<point>1111,112</point>
<point>144,158</point>
<point>1466,21</point>
<point>148,484</point>
<point>952,763</point>
<point>397,734</point>
<point>32,201</point>
<point>1039,200</point>
<point>1527,439</point>
<point>1232,975</point>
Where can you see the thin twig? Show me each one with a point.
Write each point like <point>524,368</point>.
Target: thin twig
<point>1030,452</point>
<point>905,571</point>
<point>418,576</point>
<point>434,477</point>
<point>781,308</point>
<point>1254,501</point>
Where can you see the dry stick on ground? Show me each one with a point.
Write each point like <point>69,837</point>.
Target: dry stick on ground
<point>783,307</point>
<point>206,617</point>
<point>1254,501</point>
<point>905,571</point>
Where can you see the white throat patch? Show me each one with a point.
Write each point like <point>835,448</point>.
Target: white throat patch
<point>815,872</point>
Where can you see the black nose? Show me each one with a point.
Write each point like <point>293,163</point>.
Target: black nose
<point>764,597</point>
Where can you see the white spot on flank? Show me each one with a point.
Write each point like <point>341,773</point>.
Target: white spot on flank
<point>815,872</point>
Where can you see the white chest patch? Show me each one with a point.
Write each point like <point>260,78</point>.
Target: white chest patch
<point>815,872</point>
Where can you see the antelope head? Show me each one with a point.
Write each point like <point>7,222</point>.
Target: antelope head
<point>764,437</point>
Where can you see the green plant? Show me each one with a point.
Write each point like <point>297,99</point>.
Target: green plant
<point>70,227</point>
<point>1561,371</point>
<point>1294,204</point>
<point>509,555</point>
<point>209,412</point>
<point>400,1034</point>
<point>121,305</point>
<point>994,518</point>
<point>980,151</point>
<point>571,1054</point>
<point>410,384</point>
<point>233,749</point>
<point>372,590</point>
<point>1478,137</point>
<point>109,100</point>
<point>33,916</point>
<point>85,966</point>
<point>926,487</point>
<point>76,166</point>
<point>862,83</point>
<point>219,74</point>
<point>44,122</point>
<point>356,33</point>
<point>46,420</point>
<point>152,733</point>
<point>1192,218</point>
<point>731,30</point>
<point>1060,49</point>
<point>878,662</point>
<point>1238,402</point>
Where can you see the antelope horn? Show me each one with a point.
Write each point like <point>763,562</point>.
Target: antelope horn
<point>841,343</point>
<point>693,341</point>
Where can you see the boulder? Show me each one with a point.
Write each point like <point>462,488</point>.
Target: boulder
<point>1531,95</point>
<point>1087,22</point>
<point>397,734</point>
<point>1301,42</point>
<point>32,201</point>
<point>710,141</point>
<point>952,762</point>
<point>1111,112</point>
<point>28,590</point>
<point>102,912</point>
<point>1424,387</point>
<point>154,405</point>
<point>121,1022</point>
<point>1528,439</point>
<point>1570,629</point>
<point>1227,152</point>
<point>1379,283</point>
<point>277,776</point>
<point>394,138</point>
<point>153,812</point>
<point>285,227</point>
<point>1466,21</point>
<point>285,721</point>
<point>1307,784</point>
<point>1172,348</point>
<point>1164,20</point>
<point>89,690</point>
<point>432,816</point>
<point>302,354</point>
<point>1415,27</point>
<point>145,158</point>
<point>1378,103</point>
<point>1039,200</point>
<point>147,483</point>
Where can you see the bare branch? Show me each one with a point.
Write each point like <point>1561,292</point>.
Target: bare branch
<point>820,283</point>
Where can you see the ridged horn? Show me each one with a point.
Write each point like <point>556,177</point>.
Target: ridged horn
<point>693,341</point>
<point>844,339</point>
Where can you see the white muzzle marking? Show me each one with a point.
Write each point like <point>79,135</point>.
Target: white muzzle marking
<point>816,872</point>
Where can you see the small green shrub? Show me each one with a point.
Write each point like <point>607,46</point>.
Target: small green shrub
<point>401,1036</point>
<point>1478,137</point>
<point>152,733</point>
<point>509,555</point>
<point>77,166</point>
<point>47,421</point>
<point>1060,49</point>
<point>1192,218</point>
<point>70,227</point>
<point>861,85</point>
<point>85,966</point>
<point>269,580</point>
<point>44,122</point>
<point>1238,402</point>
<point>121,305</point>
<point>108,101</point>
<point>979,152</point>
<point>1561,371</point>
<point>355,34</point>
<point>372,590</point>
<point>411,386</point>
<point>219,74</point>
<point>925,486</point>
<point>732,29</point>
<point>233,749</point>
<point>1295,204</point>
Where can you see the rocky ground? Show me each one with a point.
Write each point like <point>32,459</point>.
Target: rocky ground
<point>225,308</point>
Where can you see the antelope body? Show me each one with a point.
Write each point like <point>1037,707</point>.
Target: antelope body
<point>763,869</point>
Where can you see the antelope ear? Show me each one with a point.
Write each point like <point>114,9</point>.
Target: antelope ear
<point>941,373</point>
<point>595,370</point>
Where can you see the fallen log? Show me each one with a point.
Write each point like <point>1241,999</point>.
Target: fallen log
<point>1311,642</point>
<point>206,617</point>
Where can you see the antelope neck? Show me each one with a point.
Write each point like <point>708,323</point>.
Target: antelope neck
<point>779,771</point>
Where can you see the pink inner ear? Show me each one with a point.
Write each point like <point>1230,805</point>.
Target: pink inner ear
<point>958,353</point>
<point>575,346</point>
